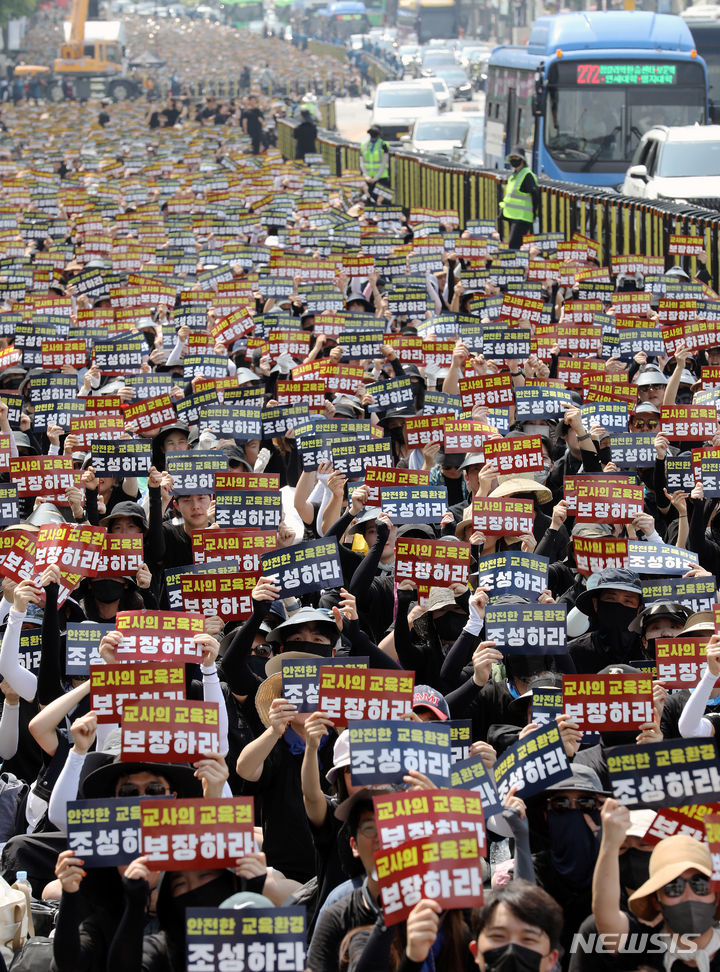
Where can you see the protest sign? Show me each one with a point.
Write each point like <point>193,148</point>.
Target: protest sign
<point>258,938</point>
<point>432,563</point>
<point>502,516</point>
<point>169,732</point>
<point>444,869</point>
<point>123,457</point>
<point>161,635</point>
<point>665,774</point>
<point>301,677</point>
<point>104,833</point>
<point>532,764</point>
<point>377,477</point>
<point>243,548</point>
<point>434,813</point>
<point>383,752</point>
<point>414,504</point>
<point>695,593</point>
<point>513,572</point>
<point>82,641</point>
<point>73,549</point>
<point>680,662</point>
<point>227,596</point>
<point>111,686</point>
<point>594,554</point>
<point>608,703</point>
<point>304,567</point>
<point>527,629</point>
<point>192,834</point>
<point>351,694</point>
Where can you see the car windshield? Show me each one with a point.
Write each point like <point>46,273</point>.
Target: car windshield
<point>689,159</point>
<point>438,84</point>
<point>431,131</point>
<point>438,57</point>
<point>406,98</point>
<point>452,74</point>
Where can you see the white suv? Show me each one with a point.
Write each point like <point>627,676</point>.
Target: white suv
<point>397,104</point>
<point>677,163</point>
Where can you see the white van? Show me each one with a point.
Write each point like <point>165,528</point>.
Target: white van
<point>397,104</point>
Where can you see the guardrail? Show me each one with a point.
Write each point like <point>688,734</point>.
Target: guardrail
<point>620,224</point>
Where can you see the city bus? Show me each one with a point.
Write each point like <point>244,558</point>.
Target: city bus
<point>704,23</point>
<point>582,93</point>
<point>243,12</point>
<point>428,18</point>
<point>340,19</point>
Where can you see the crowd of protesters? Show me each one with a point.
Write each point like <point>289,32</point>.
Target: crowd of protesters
<point>215,288</point>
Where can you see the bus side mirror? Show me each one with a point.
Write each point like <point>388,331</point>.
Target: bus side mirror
<point>714,113</point>
<point>538,101</point>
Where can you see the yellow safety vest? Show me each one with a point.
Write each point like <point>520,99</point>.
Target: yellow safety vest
<point>518,205</point>
<point>372,153</point>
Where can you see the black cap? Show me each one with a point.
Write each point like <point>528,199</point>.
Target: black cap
<point>669,610</point>
<point>126,508</point>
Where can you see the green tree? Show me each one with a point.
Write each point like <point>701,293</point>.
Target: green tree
<point>10,9</point>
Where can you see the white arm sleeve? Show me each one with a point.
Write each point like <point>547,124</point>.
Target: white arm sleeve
<point>175,356</point>
<point>692,722</point>
<point>321,512</point>
<point>5,606</point>
<point>9,730</point>
<point>102,733</point>
<point>23,681</point>
<point>213,693</point>
<point>65,790</point>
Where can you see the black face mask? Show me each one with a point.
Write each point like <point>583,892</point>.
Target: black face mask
<point>689,917</point>
<point>634,868</point>
<point>574,847</point>
<point>516,163</point>
<point>397,434</point>
<point>613,621</point>
<point>325,651</point>
<point>512,958</point>
<point>449,626</point>
<point>107,591</point>
<point>256,664</point>
<point>684,397</point>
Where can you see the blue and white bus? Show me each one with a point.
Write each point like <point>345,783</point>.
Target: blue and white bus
<point>585,89</point>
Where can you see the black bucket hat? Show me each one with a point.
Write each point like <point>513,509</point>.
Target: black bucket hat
<point>610,579</point>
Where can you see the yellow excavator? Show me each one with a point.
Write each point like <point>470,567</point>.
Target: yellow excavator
<point>92,57</point>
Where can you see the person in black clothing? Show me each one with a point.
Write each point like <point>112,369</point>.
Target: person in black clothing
<point>271,764</point>
<point>610,638</point>
<point>252,120</point>
<point>305,134</point>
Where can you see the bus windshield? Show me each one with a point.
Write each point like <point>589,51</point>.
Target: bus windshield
<point>597,113</point>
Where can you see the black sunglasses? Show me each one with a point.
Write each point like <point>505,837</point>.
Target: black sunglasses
<point>586,804</point>
<point>150,789</point>
<point>699,885</point>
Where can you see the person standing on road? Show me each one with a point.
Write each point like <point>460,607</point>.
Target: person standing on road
<point>521,202</point>
<point>375,161</point>
<point>252,123</point>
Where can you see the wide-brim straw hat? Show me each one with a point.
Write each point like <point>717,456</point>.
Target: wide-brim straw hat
<point>669,859</point>
<point>522,483</point>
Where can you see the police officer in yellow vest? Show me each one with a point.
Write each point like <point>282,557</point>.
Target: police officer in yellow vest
<point>520,204</point>
<point>375,161</point>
